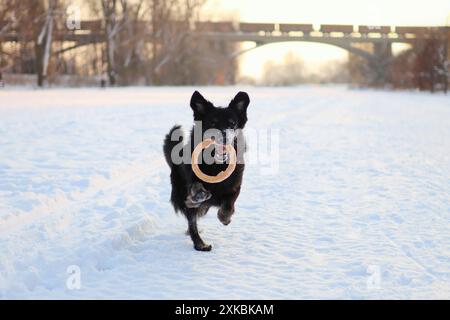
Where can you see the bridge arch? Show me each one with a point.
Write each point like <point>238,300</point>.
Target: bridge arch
<point>340,44</point>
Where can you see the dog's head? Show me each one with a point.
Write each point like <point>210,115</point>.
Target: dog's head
<point>222,123</point>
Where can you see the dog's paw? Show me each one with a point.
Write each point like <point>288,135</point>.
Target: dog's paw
<point>191,204</point>
<point>202,247</point>
<point>201,196</point>
<point>225,218</point>
<point>197,195</point>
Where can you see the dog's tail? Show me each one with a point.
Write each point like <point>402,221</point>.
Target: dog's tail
<point>169,144</point>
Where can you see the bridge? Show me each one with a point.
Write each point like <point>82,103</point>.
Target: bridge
<point>346,37</point>
<point>94,31</point>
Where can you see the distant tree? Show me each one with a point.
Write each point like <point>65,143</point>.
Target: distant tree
<point>334,72</point>
<point>290,72</point>
<point>425,66</point>
<point>113,22</point>
<point>130,23</point>
<point>34,22</point>
<point>6,25</point>
<point>402,70</point>
<point>362,73</point>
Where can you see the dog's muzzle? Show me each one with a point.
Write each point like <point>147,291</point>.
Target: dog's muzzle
<point>220,149</point>
<point>220,153</point>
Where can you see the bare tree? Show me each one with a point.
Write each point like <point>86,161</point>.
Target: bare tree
<point>112,25</point>
<point>44,41</point>
<point>128,24</point>
<point>33,23</point>
<point>149,41</point>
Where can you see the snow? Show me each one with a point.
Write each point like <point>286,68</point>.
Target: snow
<point>358,206</point>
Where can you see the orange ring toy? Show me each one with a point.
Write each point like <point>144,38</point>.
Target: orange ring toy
<point>223,174</point>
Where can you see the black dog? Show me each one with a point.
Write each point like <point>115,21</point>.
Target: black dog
<point>192,196</point>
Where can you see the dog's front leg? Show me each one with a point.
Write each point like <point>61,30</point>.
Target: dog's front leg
<point>199,245</point>
<point>196,192</point>
<point>227,207</point>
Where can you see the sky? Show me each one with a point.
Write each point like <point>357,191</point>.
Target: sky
<point>379,12</point>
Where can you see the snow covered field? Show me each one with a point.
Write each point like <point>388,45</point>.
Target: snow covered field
<point>359,207</point>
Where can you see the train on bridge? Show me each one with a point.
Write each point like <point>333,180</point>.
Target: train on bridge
<point>94,30</point>
<point>363,30</point>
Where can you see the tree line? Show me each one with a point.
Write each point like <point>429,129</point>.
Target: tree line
<point>425,65</point>
<point>144,42</point>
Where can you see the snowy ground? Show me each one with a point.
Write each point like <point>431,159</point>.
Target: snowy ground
<point>359,207</point>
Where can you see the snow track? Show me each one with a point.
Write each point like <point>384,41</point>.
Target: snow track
<point>359,208</point>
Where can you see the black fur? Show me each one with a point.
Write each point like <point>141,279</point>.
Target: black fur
<point>223,194</point>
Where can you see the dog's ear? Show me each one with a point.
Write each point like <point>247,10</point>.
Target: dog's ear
<point>240,102</point>
<point>199,105</point>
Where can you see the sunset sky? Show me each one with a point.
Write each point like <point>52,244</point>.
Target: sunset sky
<point>379,12</point>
